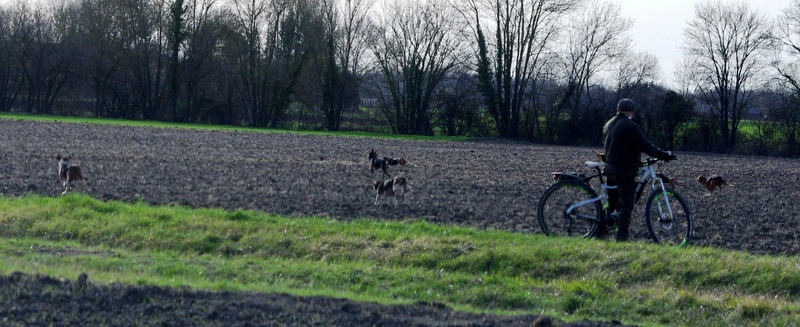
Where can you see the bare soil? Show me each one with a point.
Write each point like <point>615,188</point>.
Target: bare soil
<point>485,183</point>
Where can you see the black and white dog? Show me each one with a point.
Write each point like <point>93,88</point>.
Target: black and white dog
<point>391,188</point>
<point>383,163</point>
<point>377,163</point>
<point>68,173</point>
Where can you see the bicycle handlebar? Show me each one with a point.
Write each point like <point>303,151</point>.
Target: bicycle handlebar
<point>651,161</point>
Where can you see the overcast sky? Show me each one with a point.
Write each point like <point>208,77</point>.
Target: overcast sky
<point>658,26</point>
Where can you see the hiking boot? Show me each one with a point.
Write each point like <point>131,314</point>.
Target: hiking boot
<point>622,236</point>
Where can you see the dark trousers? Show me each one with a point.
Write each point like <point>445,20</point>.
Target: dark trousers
<point>621,199</point>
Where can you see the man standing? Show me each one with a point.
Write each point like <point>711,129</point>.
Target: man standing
<point>623,143</point>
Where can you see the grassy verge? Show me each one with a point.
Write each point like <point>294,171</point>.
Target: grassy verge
<point>396,262</point>
<point>142,123</point>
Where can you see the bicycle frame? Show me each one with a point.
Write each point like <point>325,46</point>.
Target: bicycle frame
<point>647,175</point>
<point>601,197</point>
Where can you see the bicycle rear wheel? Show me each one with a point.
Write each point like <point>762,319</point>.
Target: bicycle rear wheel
<point>669,220</point>
<point>552,210</point>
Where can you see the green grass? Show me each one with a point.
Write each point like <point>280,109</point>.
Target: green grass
<point>143,123</point>
<point>396,262</point>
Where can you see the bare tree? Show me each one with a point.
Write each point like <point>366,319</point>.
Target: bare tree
<point>198,59</point>
<point>595,39</point>
<point>634,72</point>
<point>346,24</point>
<point>176,35</point>
<point>44,62</point>
<point>513,38</point>
<point>314,28</point>
<point>787,65</point>
<point>414,49</point>
<point>96,33</point>
<point>10,73</point>
<point>143,58</point>
<point>268,59</point>
<point>726,45</point>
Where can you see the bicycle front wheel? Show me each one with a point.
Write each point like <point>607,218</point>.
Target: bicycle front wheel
<point>669,220</point>
<point>554,220</point>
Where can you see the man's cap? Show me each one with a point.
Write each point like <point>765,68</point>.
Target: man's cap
<point>626,105</point>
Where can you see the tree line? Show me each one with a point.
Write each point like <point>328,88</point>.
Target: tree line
<point>546,71</point>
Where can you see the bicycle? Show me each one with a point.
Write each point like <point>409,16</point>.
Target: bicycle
<point>571,207</point>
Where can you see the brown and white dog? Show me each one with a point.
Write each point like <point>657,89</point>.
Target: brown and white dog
<point>68,173</point>
<point>391,188</point>
<point>712,183</point>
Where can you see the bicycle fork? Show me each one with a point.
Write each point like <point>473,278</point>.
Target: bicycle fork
<point>665,214</point>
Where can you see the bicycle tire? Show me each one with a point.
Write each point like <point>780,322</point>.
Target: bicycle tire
<point>675,230</point>
<point>551,210</point>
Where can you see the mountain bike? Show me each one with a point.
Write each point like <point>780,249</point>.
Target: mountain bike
<point>571,207</point>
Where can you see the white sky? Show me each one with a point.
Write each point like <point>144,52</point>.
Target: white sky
<point>658,26</point>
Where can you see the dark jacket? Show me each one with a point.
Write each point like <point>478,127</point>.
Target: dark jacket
<point>623,143</point>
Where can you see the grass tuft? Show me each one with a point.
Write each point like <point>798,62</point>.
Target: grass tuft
<point>396,262</point>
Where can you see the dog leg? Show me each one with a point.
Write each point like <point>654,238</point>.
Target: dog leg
<point>66,188</point>
<point>376,199</point>
<point>394,200</point>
